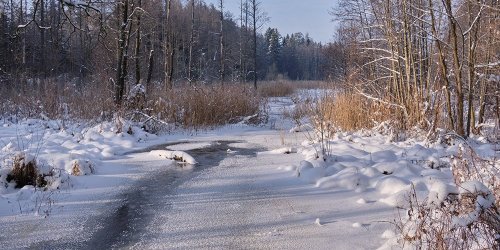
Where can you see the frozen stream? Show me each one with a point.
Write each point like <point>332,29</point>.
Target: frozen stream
<point>149,196</point>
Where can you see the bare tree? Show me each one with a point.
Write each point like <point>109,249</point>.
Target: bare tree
<point>121,55</point>
<point>254,15</point>
<point>138,44</point>
<point>191,45</point>
<point>169,50</point>
<point>221,41</point>
<point>258,18</point>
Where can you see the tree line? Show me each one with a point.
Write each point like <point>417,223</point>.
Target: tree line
<point>125,42</point>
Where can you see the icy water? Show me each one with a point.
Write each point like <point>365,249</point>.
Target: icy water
<point>150,195</point>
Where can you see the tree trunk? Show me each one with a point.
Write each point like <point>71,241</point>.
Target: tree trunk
<point>150,47</point>
<point>191,44</point>
<point>23,39</point>
<point>444,67</point>
<point>138,45</point>
<point>254,19</point>
<point>168,47</point>
<point>42,38</point>
<point>457,67</point>
<point>171,69</point>
<point>120,72</point>
<point>241,43</point>
<point>471,46</point>
<point>126,55</point>
<point>221,41</point>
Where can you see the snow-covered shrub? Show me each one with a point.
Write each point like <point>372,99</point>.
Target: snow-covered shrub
<point>468,219</point>
<point>80,167</point>
<point>58,179</point>
<point>136,98</point>
<point>468,166</point>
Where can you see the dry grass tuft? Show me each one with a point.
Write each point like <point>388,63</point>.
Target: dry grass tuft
<point>25,173</point>
<point>79,168</point>
<point>469,166</point>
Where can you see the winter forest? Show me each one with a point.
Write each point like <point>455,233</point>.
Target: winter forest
<point>194,124</point>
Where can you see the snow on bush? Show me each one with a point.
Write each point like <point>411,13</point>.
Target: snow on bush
<point>469,220</point>
<point>391,185</point>
<point>462,215</point>
<point>348,178</point>
<point>80,167</point>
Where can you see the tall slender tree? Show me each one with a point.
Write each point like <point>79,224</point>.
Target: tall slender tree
<point>121,53</point>
<point>138,40</point>
<point>221,42</point>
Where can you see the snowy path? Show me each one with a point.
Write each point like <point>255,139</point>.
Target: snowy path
<point>247,203</point>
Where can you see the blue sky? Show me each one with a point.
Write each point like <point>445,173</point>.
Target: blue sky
<point>290,16</point>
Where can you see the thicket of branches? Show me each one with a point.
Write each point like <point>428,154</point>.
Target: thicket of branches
<point>435,63</point>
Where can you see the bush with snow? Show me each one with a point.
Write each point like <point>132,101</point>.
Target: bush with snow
<point>460,216</point>
<point>80,167</point>
<point>468,220</point>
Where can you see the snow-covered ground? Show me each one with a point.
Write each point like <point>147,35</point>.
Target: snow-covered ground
<point>252,187</point>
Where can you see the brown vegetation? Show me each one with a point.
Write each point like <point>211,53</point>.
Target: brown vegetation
<point>186,107</point>
<point>25,173</point>
<point>276,89</point>
<point>205,106</point>
<point>351,112</point>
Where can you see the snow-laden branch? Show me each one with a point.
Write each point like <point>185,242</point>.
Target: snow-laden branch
<point>475,20</point>
<point>382,101</point>
<point>78,4</point>
<point>489,65</point>
<point>380,59</point>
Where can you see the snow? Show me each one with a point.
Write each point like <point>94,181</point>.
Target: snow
<point>286,196</point>
<point>75,2</point>
<point>391,185</point>
<point>286,150</point>
<point>473,187</point>
<point>301,128</point>
<point>174,155</point>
